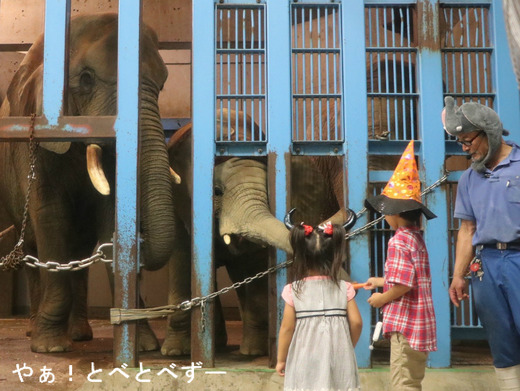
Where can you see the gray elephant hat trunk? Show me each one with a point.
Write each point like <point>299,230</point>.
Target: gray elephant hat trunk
<point>472,117</point>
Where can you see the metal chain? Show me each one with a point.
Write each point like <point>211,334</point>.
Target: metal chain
<point>118,315</point>
<point>53,266</point>
<point>14,259</point>
<point>188,304</point>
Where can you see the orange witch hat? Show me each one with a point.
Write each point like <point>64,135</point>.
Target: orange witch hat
<point>402,193</point>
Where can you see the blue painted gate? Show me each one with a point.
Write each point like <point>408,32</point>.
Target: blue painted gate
<point>356,79</point>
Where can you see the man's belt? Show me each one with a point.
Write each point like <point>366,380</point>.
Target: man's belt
<point>515,246</point>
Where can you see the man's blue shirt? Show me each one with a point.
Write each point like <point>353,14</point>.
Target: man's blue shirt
<point>492,200</point>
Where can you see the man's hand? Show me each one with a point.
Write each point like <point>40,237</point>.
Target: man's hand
<point>458,290</point>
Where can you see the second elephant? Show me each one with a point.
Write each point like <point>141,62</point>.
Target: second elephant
<point>244,228</point>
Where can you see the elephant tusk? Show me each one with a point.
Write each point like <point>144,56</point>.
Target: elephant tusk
<point>95,169</point>
<point>176,177</point>
<point>227,239</point>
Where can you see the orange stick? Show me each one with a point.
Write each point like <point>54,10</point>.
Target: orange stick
<point>359,285</point>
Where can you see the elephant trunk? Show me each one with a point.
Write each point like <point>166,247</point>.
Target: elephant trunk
<point>157,218</point>
<point>245,211</point>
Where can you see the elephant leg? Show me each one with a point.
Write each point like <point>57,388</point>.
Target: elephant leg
<point>147,339</point>
<point>35,294</point>
<point>253,302</point>
<point>177,341</point>
<point>50,328</point>
<point>220,324</point>
<point>79,327</point>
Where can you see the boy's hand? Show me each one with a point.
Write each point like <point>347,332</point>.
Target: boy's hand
<point>376,300</point>
<point>373,283</point>
<point>280,368</point>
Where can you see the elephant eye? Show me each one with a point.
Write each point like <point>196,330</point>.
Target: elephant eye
<point>218,191</point>
<point>86,81</point>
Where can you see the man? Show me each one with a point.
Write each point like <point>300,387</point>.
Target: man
<point>488,204</point>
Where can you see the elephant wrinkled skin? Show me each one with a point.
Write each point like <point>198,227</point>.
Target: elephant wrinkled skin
<point>67,216</point>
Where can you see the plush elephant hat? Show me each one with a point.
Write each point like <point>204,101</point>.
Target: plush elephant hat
<point>471,117</point>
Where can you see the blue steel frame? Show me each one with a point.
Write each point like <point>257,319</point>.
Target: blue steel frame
<point>431,149</point>
<point>203,112</point>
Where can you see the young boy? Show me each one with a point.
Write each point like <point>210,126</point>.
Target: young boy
<point>406,301</point>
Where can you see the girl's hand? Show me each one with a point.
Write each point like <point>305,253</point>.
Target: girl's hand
<point>280,368</point>
<point>376,300</point>
<point>373,283</point>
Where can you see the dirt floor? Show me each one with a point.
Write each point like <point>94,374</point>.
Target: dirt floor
<point>70,370</point>
<point>15,349</point>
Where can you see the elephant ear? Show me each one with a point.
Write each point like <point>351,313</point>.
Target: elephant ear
<point>25,93</point>
<point>451,118</point>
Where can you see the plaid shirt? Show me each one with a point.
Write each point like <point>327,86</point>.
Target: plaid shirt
<point>412,314</point>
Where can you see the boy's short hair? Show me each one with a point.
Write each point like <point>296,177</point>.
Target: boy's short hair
<point>412,215</point>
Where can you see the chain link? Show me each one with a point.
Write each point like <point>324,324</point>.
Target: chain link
<point>13,260</point>
<point>53,266</point>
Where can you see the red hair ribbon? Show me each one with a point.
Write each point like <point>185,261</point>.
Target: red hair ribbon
<point>327,228</point>
<point>307,228</point>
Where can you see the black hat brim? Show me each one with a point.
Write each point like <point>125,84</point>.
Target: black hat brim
<point>391,206</point>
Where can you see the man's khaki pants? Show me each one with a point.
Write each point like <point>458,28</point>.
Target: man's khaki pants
<point>407,366</point>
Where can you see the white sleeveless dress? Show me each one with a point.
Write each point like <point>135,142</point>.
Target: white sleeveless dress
<point>321,355</point>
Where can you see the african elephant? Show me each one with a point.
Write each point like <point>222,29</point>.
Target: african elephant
<point>67,214</point>
<point>244,227</point>
<point>237,218</point>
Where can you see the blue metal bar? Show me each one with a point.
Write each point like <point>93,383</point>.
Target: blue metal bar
<point>295,71</point>
<point>466,3</point>
<point>56,32</point>
<point>327,88</point>
<point>127,214</point>
<point>252,71</point>
<point>354,124</point>
<point>262,74</point>
<point>304,76</point>
<point>432,168</point>
<point>320,121</point>
<point>393,2</point>
<point>279,119</point>
<point>311,72</point>
<point>244,75</point>
<point>203,11</point>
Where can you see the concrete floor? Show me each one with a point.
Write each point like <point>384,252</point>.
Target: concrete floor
<point>471,370</point>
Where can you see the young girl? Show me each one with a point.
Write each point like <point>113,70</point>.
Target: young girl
<point>321,322</point>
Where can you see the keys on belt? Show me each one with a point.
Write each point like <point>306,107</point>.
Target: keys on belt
<point>475,265</point>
